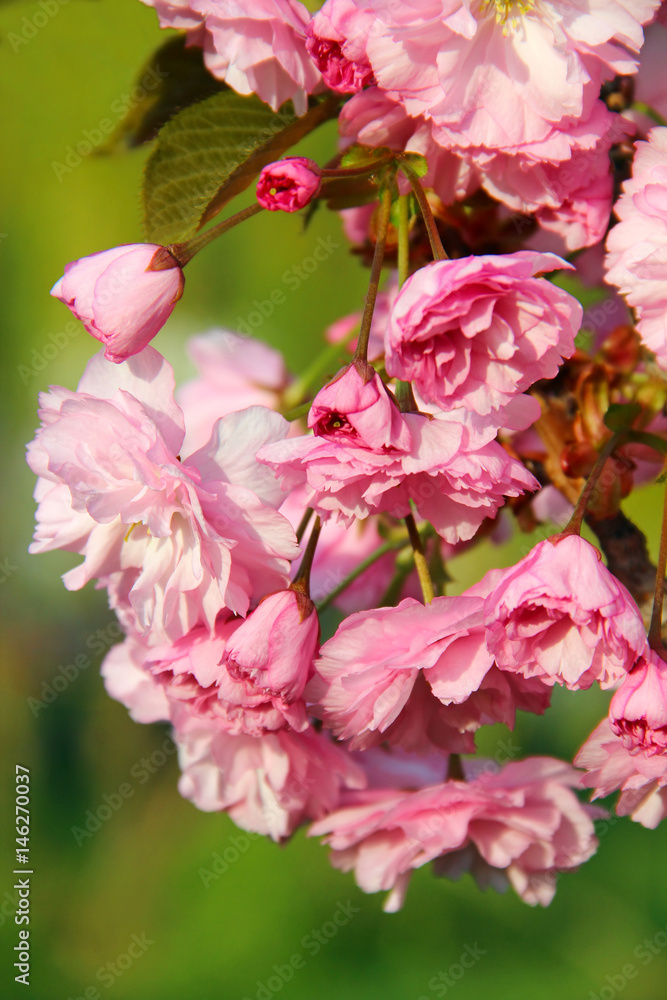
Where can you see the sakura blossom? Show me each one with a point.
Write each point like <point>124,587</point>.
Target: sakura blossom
<point>184,539</point>
<point>257,47</point>
<point>269,784</point>
<point>121,296</point>
<point>561,616</point>
<point>418,676</point>
<point>477,331</point>
<point>519,827</point>
<point>641,777</point>
<point>637,247</point>
<point>449,467</point>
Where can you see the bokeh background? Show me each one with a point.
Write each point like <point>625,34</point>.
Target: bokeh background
<point>64,66</point>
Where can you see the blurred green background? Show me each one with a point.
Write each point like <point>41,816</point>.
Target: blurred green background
<point>63,66</point>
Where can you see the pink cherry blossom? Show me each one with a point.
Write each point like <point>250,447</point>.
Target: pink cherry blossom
<point>198,673</point>
<point>524,822</point>
<point>255,46</point>
<point>126,680</point>
<point>476,331</point>
<point>234,372</point>
<point>366,457</point>
<point>269,784</point>
<point>118,296</point>
<point>288,185</point>
<point>637,258</point>
<point>638,710</point>
<point>417,676</point>
<point>175,540</point>
<point>276,644</point>
<point>561,616</point>
<point>641,776</point>
<point>336,41</point>
<point>494,76</point>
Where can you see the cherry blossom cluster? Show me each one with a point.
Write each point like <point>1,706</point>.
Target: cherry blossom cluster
<point>223,516</point>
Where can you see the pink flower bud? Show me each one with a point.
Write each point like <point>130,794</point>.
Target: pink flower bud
<point>276,644</point>
<point>288,185</point>
<point>119,298</point>
<point>638,710</point>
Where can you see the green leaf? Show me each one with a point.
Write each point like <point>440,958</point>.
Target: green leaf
<point>172,79</point>
<point>212,151</point>
<point>621,416</point>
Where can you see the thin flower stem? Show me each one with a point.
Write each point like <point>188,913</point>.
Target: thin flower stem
<point>455,768</point>
<point>302,579</point>
<point>437,248</point>
<point>365,168</point>
<point>655,630</point>
<point>301,530</point>
<point>184,252</point>
<point>403,239</point>
<point>361,353</point>
<point>573,527</point>
<point>420,560</point>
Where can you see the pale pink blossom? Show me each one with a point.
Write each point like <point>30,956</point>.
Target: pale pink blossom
<point>120,298</point>
<point>638,710</point>
<point>288,185</point>
<point>641,776</point>
<point>269,784</point>
<point>178,540</point>
<point>234,372</point>
<point>418,676</point>
<point>637,245</point>
<point>521,826</point>
<point>477,331</point>
<point>126,680</point>
<point>255,46</point>
<point>649,86</point>
<point>380,460</point>
<point>336,41</point>
<point>494,76</point>
<point>373,119</point>
<point>561,616</point>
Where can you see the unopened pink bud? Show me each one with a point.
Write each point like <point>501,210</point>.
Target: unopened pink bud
<point>288,185</point>
<point>120,298</point>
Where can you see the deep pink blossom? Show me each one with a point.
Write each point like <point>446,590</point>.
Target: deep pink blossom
<point>477,331</point>
<point>288,185</point>
<point>418,676</point>
<point>119,298</point>
<point>638,710</point>
<point>337,37</point>
<point>176,540</point>
<point>637,258</point>
<point>366,457</point>
<point>521,826</point>
<point>561,616</point>
<point>234,372</point>
<point>640,775</point>
<point>269,784</point>
<point>255,46</point>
